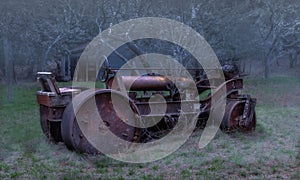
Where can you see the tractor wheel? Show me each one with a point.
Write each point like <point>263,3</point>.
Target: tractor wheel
<point>50,129</point>
<point>91,120</point>
<point>233,116</point>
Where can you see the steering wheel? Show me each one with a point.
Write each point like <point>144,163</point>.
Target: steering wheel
<point>104,71</point>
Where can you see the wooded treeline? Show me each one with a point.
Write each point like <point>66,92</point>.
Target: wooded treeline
<point>260,35</point>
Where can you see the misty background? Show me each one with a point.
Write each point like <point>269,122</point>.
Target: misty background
<point>261,36</point>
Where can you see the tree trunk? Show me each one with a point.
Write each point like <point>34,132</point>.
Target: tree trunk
<point>9,72</point>
<point>292,60</point>
<point>267,68</point>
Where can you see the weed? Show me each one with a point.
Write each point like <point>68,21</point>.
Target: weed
<point>243,173</point>
<point>274,169</point>
<point>146,177</point>
<point>120,178</point>
<point>102,170</point>
<point>185,173</point>
<point>131,172</point>
<point>237,160</point>
<point>15,175</point>
<point>151,177</point>
<point>209,148</point>
<point>217,164</point>
<point>168,161</point>
<point>202,173</point>
<point>155,168</point>
<point>4,167</point>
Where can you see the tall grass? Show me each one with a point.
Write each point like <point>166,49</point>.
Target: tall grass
<point>268,153</point>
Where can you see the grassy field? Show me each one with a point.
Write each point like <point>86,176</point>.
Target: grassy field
<point>271,152</point>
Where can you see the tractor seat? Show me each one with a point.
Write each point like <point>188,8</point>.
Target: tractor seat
<point>49,86</point>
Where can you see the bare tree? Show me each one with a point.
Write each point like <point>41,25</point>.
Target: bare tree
<point>9,26</point>
<point>65,27</point>
<point>39,31</point>
<point>290,41</point>
<point>272,28</point>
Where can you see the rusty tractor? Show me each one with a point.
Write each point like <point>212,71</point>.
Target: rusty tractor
<point>59,107</point>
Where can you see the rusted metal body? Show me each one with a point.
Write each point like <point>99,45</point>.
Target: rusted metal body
<point>60,107</point>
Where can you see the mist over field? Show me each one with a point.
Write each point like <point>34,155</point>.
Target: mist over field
<point>261,37</point>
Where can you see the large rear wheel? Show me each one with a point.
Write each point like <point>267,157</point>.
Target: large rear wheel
<point>91,121</point>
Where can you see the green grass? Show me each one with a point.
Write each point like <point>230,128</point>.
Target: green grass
<point>268,153</point>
